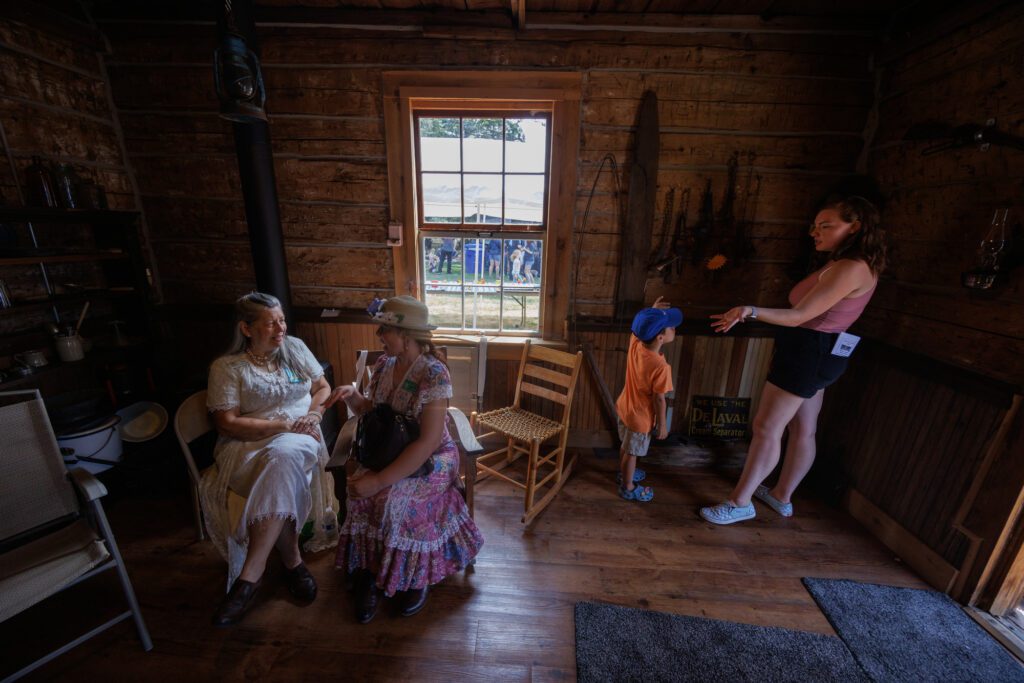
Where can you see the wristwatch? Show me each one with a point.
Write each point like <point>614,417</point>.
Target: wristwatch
<point>753,313</point>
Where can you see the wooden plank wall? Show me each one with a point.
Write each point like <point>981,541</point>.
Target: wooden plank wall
<point>791,104</point>
<point>909,434</point>
<point>703,364</point>
<point>926,439</point>
<point>55,104</point>
<point>941,205</point>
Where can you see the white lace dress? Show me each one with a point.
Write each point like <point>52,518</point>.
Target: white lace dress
<point>281,476</point>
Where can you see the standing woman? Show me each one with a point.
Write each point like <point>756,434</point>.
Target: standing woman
<point>405,531</point>
<point>270,453</point>
<point>824,305</point>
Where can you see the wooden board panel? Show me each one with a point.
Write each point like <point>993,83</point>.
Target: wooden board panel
<point>911,437</point>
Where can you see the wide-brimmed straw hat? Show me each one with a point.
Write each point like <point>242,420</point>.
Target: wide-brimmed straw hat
<point>405,312</point>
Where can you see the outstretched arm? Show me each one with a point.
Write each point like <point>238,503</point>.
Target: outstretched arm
<point>835,284</point>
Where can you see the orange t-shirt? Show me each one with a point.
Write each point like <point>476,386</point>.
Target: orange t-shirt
<point>647,374</point>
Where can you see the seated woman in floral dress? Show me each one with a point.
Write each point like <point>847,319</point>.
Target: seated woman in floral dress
<point>406,533</point>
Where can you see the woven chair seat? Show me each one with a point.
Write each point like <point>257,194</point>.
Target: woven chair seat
<point>519,424</point>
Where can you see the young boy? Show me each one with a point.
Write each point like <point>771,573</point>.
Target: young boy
<point>641,405</point>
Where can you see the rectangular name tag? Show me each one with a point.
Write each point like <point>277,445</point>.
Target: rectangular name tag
<point>845,345</point>
<point>292,377</point>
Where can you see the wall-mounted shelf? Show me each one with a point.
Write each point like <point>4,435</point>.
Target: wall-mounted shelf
<point>19,214</point>
<point>68,300</point>
<point>72,257</point>
<point>83,255</point>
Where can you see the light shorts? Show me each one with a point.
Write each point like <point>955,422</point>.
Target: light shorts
<point>635,443</point>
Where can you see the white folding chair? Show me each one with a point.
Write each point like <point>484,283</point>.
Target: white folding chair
<point>49,540</point>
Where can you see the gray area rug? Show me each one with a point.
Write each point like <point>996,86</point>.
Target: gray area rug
<point>623,644</point>
<point>906,634</point>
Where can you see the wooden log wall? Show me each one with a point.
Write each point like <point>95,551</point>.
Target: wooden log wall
<point>791,105</point>
<point>941,205</point>
<point>54,103</point>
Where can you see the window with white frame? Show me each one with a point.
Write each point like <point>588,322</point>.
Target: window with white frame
<point>482,195</point>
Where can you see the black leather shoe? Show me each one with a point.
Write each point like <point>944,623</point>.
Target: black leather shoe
<point>414,601</point>
<point>367,599</point>
<point>301,583</point>
<point>236,603</point>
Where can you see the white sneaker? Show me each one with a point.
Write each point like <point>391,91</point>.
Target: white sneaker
<point>763,494</point>
<point>727,513</point>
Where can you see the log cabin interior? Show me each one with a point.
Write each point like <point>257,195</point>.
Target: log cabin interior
<point>611,152</point>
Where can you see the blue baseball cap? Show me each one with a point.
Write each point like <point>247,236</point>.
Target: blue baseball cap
<point>649,322</point>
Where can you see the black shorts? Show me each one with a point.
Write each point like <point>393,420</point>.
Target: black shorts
<point>803,363</point>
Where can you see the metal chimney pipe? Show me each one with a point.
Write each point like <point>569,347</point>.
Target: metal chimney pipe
<point>256,170</point>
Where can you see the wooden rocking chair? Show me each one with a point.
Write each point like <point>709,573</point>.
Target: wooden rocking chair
<point>527,431</point>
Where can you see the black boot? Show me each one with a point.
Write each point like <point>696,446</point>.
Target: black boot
<point>236,603</point>
<point>367,598</point>
<point>301,583</point>
<point>414,601</point>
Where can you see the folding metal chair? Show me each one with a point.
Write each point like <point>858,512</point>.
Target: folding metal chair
<point>50,538</point>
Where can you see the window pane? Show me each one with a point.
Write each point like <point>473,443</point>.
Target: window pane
<point>532,260</point>
<point>526,145</point>
<point>474,260</point>
<point>441,193</point>
<point>439,144</point>
<point>492,261</point>
<point>513,258</point>
<point>442,260</point>
<point>521,311</point>
<point>445,304</point>
<point>482,307</point>
<point>524,200</point>
<point>482,198</point>
<point>481,144</point>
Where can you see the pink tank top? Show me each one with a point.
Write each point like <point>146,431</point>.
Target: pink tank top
<point>839,317</point>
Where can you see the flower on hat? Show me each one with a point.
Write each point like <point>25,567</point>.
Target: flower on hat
<point>388,317</point>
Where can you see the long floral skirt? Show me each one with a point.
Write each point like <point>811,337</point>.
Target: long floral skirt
<point>412,534</point>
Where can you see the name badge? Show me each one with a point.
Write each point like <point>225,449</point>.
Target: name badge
<point>292,377</point>
<point>845,345</point>
<point>410,386</point>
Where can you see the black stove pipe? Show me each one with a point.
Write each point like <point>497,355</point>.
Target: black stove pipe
<point>255,163</point>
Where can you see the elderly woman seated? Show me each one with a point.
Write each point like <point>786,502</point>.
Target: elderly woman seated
<point>407,526</point>
<point>270,453</point>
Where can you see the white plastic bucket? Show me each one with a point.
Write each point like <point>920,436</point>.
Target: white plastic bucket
<point>94,450</point>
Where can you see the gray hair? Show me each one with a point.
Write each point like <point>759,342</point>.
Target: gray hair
<point>248,309</point>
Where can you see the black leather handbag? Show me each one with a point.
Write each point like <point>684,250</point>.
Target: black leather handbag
<point>382,435</point>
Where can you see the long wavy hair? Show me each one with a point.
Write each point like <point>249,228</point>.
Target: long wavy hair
<point>867,244</point>
<point>248,309</point>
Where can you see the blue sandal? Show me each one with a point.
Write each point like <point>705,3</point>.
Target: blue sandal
<point>638,475</point>
<point>640,494</point>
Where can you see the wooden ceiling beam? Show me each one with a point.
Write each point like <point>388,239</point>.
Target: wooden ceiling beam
<point>502,19</point>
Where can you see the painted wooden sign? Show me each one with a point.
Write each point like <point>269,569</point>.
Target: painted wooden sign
<point>719,417</point>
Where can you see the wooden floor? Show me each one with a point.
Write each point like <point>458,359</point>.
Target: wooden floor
<point>510,618</point>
